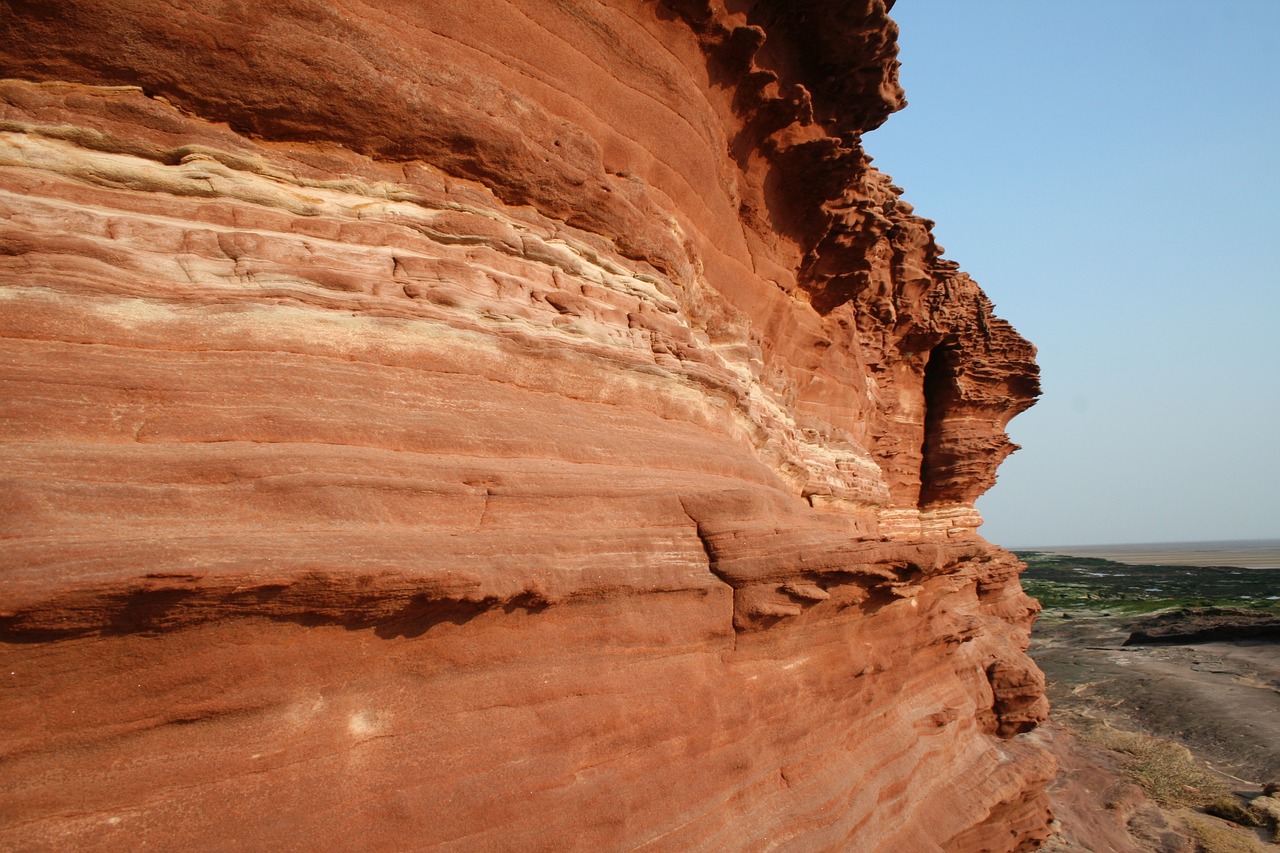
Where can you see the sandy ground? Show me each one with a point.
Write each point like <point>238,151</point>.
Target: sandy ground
<point>1221,700</point>
<point>1263,554</point>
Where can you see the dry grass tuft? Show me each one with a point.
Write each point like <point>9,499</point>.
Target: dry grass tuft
<point>1212,837</point>
<point>1170,775</point>
<point>1164,769</point>
<point>1229,808</point>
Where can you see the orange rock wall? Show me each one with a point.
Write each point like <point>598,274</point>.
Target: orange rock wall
<point>492,425</point>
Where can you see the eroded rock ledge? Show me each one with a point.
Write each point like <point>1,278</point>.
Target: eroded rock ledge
<point>503,425</point>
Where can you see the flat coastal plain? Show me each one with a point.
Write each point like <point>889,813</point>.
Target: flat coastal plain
<point>1241,553</point>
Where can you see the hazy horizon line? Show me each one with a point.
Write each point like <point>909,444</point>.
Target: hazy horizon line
<point>1260,541</point>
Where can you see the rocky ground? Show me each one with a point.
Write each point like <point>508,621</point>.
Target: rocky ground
<point>1130,690</point>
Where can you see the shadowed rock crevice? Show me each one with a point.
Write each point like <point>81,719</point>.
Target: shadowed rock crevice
<point>174,604</point>
<point>940,399</point>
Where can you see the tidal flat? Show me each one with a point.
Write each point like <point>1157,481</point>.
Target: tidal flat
<point>1236,553</point>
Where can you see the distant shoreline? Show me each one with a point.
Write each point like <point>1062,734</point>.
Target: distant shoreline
<point>1242,553</point>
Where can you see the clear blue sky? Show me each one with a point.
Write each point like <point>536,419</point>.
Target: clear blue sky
<point>1109,172</point>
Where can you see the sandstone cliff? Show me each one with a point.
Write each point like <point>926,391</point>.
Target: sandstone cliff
<point>505,424</point>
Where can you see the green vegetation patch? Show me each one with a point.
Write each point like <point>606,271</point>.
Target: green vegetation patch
<point>1073,583</point>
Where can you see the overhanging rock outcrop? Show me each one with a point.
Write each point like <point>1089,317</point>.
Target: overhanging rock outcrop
<point>493,425</point>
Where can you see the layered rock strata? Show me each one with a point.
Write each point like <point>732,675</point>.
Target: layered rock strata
<point>497,425</point>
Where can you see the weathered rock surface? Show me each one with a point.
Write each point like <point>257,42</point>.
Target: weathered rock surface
<point>1097,810</point>
<point>1205,625</point>
<point>493,425</point>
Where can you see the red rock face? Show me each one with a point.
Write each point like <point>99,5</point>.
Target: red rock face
<point>493,425</point>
